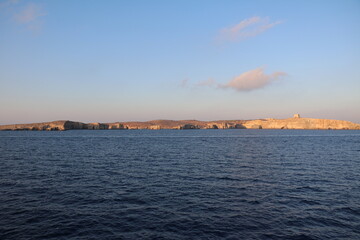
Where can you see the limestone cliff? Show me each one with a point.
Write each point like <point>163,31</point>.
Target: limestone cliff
<point>301,123</point>
<point>291,123</point>
<point>46,126</point>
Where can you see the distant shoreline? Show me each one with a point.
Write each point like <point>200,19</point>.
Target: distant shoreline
<point>295,122</point>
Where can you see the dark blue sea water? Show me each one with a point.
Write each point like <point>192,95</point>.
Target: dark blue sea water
<point>173,184</point>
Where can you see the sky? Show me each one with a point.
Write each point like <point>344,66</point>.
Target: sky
<point>107,61</point>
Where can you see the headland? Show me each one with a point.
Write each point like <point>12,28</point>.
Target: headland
<point>295,122</point>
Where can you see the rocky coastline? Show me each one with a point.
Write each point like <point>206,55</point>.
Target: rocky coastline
<point>295,122</point>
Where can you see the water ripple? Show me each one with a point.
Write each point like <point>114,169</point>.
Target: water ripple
<point>234,184</point>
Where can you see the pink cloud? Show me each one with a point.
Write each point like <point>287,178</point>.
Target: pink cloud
<point>253,79</point>
<point>247,28</point>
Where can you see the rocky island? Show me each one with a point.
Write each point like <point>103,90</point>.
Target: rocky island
<point>296,122</point>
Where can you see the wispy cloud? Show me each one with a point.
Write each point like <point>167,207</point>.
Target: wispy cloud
<point>184,82</point>
<point>208,82</point>
<point>247,28</point>
<point>29,14</point>
<point>253,79</point>
<point>8,3</point>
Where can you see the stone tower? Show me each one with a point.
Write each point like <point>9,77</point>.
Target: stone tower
<point>297,115</point>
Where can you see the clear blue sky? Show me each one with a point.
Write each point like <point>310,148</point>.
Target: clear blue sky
<point>111,61</point>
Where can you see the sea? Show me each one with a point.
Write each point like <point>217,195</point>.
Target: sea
<point>180,184</point>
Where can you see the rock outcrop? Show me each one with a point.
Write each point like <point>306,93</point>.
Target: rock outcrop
<point>189,126</point>
<point>269,123</point>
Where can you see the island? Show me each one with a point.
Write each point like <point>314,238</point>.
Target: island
<point>296,122</point>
